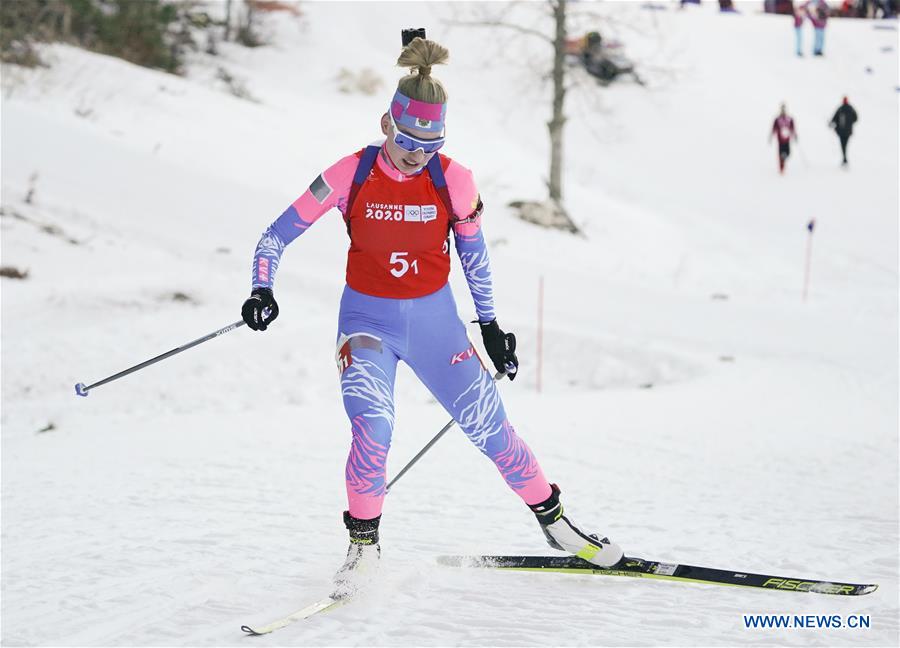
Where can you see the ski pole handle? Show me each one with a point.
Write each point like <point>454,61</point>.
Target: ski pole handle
<point>82,390</point>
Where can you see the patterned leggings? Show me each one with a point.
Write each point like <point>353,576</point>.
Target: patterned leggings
<point>427,334</point>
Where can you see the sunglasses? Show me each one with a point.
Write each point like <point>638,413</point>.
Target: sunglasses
<point>413,144</point>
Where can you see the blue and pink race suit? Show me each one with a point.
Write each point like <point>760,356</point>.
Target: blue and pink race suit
<point>397,305</point>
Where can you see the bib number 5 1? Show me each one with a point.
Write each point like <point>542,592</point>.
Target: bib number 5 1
<point>401,266</point>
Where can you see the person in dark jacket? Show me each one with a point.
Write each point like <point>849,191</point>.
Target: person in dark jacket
<point>842,123</point>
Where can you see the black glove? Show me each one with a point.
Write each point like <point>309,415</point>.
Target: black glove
<point>260,309</point>
<point>501,347</point>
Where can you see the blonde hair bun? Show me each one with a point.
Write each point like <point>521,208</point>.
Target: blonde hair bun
<point>421,55</point>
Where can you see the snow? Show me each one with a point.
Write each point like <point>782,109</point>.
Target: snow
<point>694,406</point>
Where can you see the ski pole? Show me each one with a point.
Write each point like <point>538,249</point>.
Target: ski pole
<point>428,445</point>
<point>81,390</point>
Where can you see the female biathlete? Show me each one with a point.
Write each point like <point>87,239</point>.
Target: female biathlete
<point>400,199</point>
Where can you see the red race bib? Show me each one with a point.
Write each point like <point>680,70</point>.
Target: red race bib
<point>399,245</point>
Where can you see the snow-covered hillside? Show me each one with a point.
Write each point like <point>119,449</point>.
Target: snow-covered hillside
<point>694,407</point>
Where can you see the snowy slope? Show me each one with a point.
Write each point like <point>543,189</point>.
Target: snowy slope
<point>757,432</point>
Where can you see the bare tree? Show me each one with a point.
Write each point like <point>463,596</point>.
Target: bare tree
<point>246,33</point>
<point>550,213</point>
<point>228,20</point>
<point>559,97</point>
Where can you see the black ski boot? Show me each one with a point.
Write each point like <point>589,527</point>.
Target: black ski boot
<point>363,556</point>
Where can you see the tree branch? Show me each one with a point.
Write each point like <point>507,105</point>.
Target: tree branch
<point>499,23</point>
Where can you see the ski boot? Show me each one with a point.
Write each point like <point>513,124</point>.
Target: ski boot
<point>563,535</point>
<point>363,556</point>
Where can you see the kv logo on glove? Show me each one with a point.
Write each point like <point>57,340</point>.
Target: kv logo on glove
<point>501,347</point>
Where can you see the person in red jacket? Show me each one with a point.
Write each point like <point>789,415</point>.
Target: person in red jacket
<point>783,128</point>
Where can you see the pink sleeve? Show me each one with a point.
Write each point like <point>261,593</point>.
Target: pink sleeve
<point>330,189</point>
<point>463,196</point>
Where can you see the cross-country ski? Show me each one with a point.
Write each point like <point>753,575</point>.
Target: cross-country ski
<point>320,606</point>
<point>640,568</point>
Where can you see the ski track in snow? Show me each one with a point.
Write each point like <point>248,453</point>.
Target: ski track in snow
<point>752,432</point>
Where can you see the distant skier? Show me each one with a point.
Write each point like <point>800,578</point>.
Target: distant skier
<point>817,10</point>
<point>842,123</point>
<point>783,128</point>
<point>401,200</point>
<point>799,18</point>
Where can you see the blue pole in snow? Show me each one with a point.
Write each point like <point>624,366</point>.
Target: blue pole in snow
<point>810,226</point>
